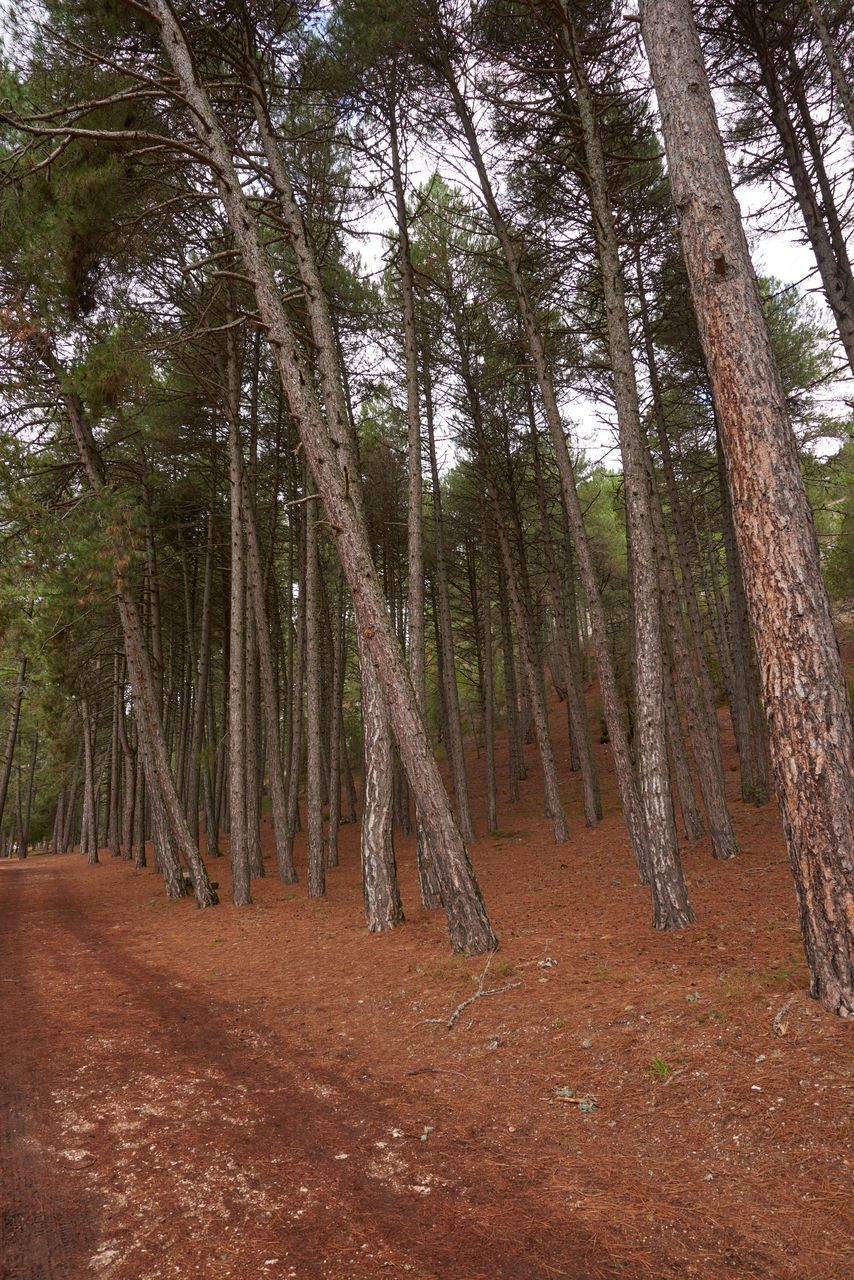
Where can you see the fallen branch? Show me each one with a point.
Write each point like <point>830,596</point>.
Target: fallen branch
<point>493,991</point>
<point>779,1027</point>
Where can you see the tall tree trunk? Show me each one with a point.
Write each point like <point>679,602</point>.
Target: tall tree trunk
<point>806,698</point>
<point>336,627</point>
<point>515,761</point>
<point>632,810</point>
<point>837,71</point>
<point>428,885</point>
<point>253,760</point>
<point>240,874</point>
<point>453,725</point>
<point>704,735</point>
<point>488,694</point>
<point>326,448</point>
<point>113,784</point>
<point>316,870</point>
<point>197,735</point>
<point>521,616</point>
<point>12,735</point>
<point>88,829</point>
<point>671,906</point>
<point>579,725</point>
<point>836,276</point>
<point>164,795</point>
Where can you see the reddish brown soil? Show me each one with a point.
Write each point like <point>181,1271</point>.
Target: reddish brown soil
<point>273,1092</point>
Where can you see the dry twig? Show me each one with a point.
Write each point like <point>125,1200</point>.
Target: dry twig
<point>493,991</point>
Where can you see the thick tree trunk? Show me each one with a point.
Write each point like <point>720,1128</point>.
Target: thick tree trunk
<point>806,699</point>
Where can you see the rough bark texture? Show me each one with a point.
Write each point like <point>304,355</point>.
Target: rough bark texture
<point>326,453</point>
<point>806,698</point>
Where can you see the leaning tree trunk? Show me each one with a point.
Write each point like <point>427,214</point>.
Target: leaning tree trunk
<point>329,457</point>
<point>836,276</point>
<point>840,80</point>
<point>806,698</point>
<point>629,795</point>
<point>161,783</point>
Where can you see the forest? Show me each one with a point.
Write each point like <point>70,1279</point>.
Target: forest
<point>312,316</point>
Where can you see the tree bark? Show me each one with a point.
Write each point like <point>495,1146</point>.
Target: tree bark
<point>806,698</point>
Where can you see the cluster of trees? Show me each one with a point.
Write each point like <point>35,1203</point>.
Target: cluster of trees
<point>237,560</point>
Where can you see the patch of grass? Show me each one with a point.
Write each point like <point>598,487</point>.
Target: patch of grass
<point>659,1068</point>
<point>743,984</point>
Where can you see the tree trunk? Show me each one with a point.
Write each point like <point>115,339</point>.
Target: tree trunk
<point>579,726</point>
<point>671,906</point>
<point>241,887</point>
<point>12,736</point>
<point>88,832</point>
<point>837,71</point>
<point>488,693</point>
<point>629,795</point>
<point>806,699</point>
<point>453,726</point>
<point>325,445</point>
<point>316,871</point>
<point>428,885</point>
<point>336,626</point>
<point>835,275</point>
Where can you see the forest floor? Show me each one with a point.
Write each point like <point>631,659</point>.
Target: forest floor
<point>273,1092</point>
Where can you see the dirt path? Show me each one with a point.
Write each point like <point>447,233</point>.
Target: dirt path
<point>147,1132</point>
